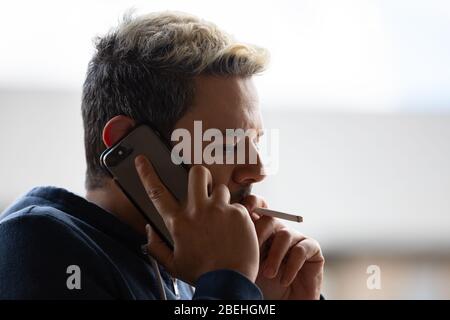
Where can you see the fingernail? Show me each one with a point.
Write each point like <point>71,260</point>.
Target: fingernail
<point>147,228</point>
<point>138,161</point>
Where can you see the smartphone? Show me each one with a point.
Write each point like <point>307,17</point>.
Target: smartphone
<point>118,160</point>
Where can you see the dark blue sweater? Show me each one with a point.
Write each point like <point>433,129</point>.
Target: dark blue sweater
<point>50,229</point>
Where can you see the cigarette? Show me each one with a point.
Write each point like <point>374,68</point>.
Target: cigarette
<point>278,214</point>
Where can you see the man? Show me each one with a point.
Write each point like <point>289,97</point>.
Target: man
<point>168,70</point>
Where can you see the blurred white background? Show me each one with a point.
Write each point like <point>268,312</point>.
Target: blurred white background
<point>359,90</point>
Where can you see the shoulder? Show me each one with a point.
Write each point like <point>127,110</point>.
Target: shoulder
<point>37,223</point>
<point>48,230</point>
<point>39,247</point>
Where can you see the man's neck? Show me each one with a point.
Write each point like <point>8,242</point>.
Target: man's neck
<point>111,199</point>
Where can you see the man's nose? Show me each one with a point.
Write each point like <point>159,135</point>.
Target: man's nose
<point>251,171</point>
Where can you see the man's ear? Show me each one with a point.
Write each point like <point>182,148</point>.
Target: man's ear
<point>116,128</point>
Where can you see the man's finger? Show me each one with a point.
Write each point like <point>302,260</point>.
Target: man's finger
<point>265,227</point>
<point>282,241</point>
<point>251,202</point>
<point>296,259</point>
<point>200,184</point>
<point>161,198</point>
<point>306,250</point>
<point>221,193</point>
<point>312,249</point>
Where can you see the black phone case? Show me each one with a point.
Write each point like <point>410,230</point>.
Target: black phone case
<point>118,160</point>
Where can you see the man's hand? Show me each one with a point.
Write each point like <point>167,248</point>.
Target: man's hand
<point>291,265</point>
<point>208,232</point>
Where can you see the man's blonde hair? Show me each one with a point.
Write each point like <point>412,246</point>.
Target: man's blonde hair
<point>144,69</point>
<point>181,42</point>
